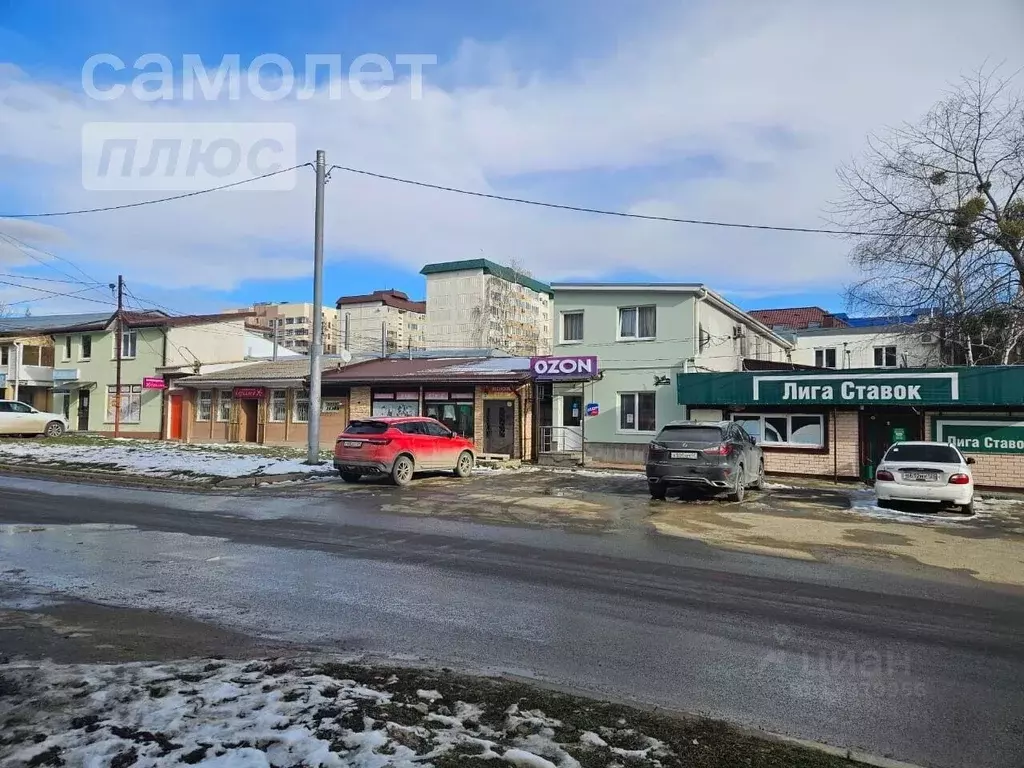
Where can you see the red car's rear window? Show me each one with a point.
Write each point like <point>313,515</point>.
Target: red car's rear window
<point>366,428</point>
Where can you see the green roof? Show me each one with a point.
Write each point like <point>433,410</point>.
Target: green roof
<point>488,266</point>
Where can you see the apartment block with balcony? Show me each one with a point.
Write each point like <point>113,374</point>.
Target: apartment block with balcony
<point>293,323</point>
<point>479,304</point>
<point>381,323</point>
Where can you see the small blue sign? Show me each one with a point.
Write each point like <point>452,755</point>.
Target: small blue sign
<point>3,378</point>
<point>593,409</point>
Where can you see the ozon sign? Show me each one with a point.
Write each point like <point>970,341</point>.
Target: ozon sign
<point>559,367</point>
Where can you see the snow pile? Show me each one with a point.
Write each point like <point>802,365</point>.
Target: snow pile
<point>154,459</point>
<point>263,713</point>
<point>866,502</point>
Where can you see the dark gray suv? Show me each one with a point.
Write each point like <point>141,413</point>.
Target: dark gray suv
<point>712,456</point>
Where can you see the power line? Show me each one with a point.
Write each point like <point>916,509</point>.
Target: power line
<point>154,201</point>
<point>57,294</point>
<point>8,236</point>
<point>42,279</point>
<point>70,293</point>
<point>618,214</point>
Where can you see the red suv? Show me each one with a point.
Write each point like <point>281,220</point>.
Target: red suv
<point>399,446</point>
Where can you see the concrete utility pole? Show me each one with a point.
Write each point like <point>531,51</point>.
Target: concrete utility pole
<point>317,346</point>
<point>118,344</point>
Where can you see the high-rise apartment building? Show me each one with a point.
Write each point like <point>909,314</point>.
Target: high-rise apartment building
<point>479,304</point>
<point>293,323</point>
<point>381,322</point>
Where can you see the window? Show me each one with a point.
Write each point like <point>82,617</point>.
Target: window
<point>688,434</point>
<point>129,342</point>
<point>300,413</point>
<point>825,357</point>
<point>412,428</point>
<point>278,405</point>
<point>86,349</point>
<point>14,407</point>
<point>366,428</point>
<point>636,412</point>
<point>637,322</point>
<point>131,404</point>
<point>5,351</point>
<point>938,454</point>
<point>787,430</point>
<point>204,403</point>
<point>67,348</point>
<point>885,357</point>
<point>435,430</point>
<point>572,326</point>
<point>224,405</point>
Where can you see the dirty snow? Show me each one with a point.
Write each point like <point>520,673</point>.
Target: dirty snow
<point>264,713</point>
<point>154,459</point>
<point>865,502</point>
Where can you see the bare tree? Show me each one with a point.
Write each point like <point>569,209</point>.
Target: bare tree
<point>507,319</point>
<point>937,209</point>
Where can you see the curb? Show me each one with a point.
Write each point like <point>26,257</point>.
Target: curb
<point>99,477</point>
<point>854,755</point>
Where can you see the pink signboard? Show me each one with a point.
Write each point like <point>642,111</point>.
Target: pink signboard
<point>573,367</point>
<point>153,382</point>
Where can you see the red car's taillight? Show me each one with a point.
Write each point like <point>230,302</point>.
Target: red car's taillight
<point>379,441</point>
<point>959,479</point>
<point>884,474</point>
<point>717,450</point>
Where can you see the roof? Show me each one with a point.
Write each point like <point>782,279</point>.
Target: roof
<point>291,370</point>
<point>428,370</point>
<point>875,321</point>
<point>98,321</point>
<point>44,323</point>
<point>453,352</point>
<point>390,298</point>
<point>490,268</point>
<point>797,318</point>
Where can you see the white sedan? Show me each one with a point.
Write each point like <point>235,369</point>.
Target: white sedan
<point>17,418</point>
<point>923,471</point>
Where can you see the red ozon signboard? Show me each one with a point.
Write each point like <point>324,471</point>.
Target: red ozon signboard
<point>576,367</point>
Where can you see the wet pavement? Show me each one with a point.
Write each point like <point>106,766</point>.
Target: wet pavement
<point>565,577</point>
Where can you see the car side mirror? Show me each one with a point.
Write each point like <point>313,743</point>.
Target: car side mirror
<point>970,460</point>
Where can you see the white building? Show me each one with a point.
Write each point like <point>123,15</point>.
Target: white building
<point>383,321</point>
<point>479,304</point>
<point>293,323</point>
<point>873,346</point>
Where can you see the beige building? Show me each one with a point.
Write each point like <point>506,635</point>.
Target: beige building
<point>479,304</point>
<point>383,321</point>
<point>294,324</point>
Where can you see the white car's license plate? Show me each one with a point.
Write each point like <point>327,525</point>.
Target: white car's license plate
<point>926,476</point>
<point>352,443</point>
<point>684,455</point>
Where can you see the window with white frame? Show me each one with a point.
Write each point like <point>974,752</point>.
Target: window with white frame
<point>278,405</point>
<point>204,405</point>
<point>67,348</point>
<point>130,402</point>
<point>572,326</point>
<point>885,357</point>
<point>300,412</point>
<point>638,323</point>
<point>825,357</point>
<point>793,430</point>
<point>85,349</point>
<point>129,342</point>
<point>637,412</point>
<point>223,405</point>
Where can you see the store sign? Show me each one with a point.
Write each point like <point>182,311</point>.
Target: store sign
<point>593,409</point>
<point>435,395</point>
<point>583,366</point>
<point>152,382</point>
<point>69,374</point>
<point>981,436</point>
<point>248,393</point>
<point>858,389</point>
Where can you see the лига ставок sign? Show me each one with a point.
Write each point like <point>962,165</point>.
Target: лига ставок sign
<point>579,367</point>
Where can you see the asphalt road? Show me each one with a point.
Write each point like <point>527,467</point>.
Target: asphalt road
<point>926,671</point>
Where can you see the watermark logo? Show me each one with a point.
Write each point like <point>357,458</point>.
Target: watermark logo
<point>268,77</point>
<point>186,157</point>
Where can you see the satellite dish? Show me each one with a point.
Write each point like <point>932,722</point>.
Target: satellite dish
<point>346,356</point>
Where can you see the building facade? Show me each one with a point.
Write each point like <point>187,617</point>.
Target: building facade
<point>480,304</point>
<point>293,323</point>
<point>641,335</point>
<point>381,323</point>
<point>870,346</point>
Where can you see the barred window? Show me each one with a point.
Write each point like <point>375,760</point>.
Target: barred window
<point>278,405</point>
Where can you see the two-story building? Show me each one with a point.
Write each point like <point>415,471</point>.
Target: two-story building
<point>642,336</point>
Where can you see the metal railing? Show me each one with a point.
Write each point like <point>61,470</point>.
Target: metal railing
<point>561,439</point>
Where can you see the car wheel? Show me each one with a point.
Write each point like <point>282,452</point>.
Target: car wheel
<point>401,472</point>
<point>883,503</point>
<point>350,477</point>
<point>759,482</point>
<point>659,491</point>
<point>968,508</point>
<point>464,466</point>
<point>54,429</point>
<point>738,488</point>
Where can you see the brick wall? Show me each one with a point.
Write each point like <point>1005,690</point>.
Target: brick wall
<point>1000,470</point>
<point>842,444</point>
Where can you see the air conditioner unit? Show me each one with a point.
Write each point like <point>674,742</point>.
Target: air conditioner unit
<point>927,338</point>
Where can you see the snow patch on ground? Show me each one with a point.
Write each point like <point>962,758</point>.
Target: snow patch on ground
<point>776,487</point>
<point>155,459</point>
<point>865,502</point>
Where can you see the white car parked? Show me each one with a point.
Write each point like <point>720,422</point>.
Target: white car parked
<point>924,471</point>
<point>19,419</point>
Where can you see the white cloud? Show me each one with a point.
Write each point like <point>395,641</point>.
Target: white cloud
<point>777,95</point>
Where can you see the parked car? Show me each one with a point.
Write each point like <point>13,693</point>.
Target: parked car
<point>710,456</point>
<point>925,471</point>
<point>17,418</point>
<point>399,447</point>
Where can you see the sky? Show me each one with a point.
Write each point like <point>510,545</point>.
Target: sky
<point>734,110</point>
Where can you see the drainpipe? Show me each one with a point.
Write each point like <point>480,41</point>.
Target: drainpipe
<point>163,392</point>
<point>695,335</point>
<point>17,367</point>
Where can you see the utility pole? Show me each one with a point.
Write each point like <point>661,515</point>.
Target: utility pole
<point>274,353</point>
<point>118,344</point>
<point>16,367</point>
<point>317,347</point>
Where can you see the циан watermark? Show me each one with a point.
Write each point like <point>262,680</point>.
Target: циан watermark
<point>186,157</point>
<point>268,77</point>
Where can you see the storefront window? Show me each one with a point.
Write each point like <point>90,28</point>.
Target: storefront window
<point>131,404</point>
<point>223,405</point>
<point>793,430</point>
<point>391,403</point>
<point>204,402</point>
<point>301,413</point>
<point>453,409</point>
<point>278,405</point>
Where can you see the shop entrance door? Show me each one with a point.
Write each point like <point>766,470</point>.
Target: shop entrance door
<point>248,412</point>
<point>83,410</point>
<point>879,430</point>
<point>175,408</point>
<point>499,426</point>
